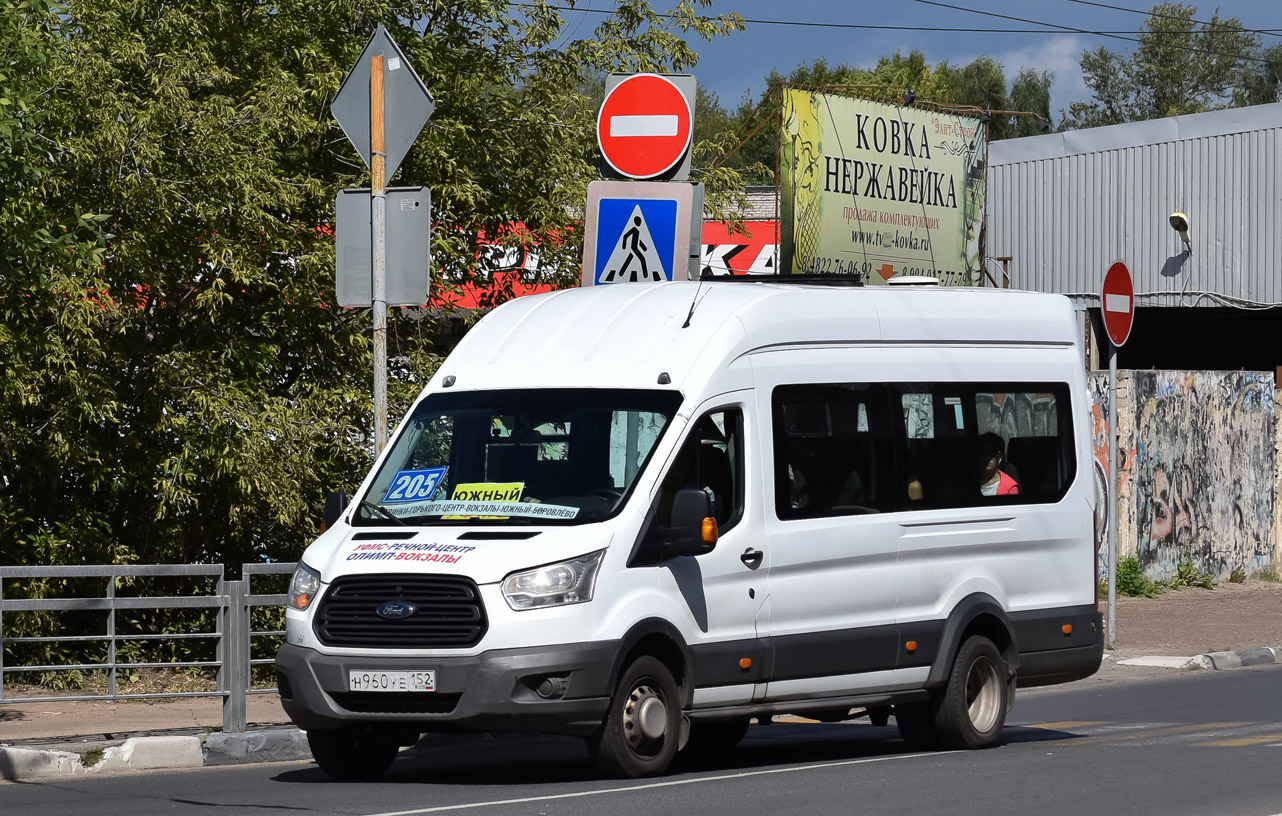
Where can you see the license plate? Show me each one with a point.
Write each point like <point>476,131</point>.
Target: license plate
<point>391,681</point>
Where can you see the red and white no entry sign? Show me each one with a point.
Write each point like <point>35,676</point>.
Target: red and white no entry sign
<point>644,126</point>
<point>1117,303</point>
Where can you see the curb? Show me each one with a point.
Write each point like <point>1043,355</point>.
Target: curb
<point>1239,659</point>
<point>153,753</point>
<point>1215,661</point>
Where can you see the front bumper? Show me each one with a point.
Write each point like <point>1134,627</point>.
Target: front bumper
<point>492,691</point>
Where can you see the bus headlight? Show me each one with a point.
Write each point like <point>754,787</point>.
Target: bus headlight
<point>303,586</point>
<point>566,582</point>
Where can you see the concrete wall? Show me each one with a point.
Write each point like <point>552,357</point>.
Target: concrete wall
<point>1198,468</point>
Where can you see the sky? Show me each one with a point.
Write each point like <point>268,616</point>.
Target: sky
<point>729,66</point>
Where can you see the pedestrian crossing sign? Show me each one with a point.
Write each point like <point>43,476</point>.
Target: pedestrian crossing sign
<point>637,232</point>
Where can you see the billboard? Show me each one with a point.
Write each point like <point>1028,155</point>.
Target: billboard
<point>877,190</point>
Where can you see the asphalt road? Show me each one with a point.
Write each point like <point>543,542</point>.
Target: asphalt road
<point>1197,743</point>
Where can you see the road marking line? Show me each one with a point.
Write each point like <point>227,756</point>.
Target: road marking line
<point>1060,726</point>
<point>1243,741</point>
<point>1160,732</point>
<point>654,785</point>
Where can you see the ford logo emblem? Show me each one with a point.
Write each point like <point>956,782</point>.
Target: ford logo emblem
<point>395,610</point>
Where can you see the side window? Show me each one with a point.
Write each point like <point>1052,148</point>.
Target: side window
<point>711,459</point>
<point>832,450</point>
<point>1028,434</point>
<point>936,446</point>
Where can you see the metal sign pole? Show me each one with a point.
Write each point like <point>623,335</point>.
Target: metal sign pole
<point>378,221</point>
<point>1112,493</point>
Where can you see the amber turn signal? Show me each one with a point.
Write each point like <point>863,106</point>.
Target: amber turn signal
<point>709,530</point>
<point>1067,628</point>
<point>911,645</point>
<point>745,662</point>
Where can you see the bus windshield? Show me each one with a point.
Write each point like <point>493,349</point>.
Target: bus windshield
<point>525,456</point>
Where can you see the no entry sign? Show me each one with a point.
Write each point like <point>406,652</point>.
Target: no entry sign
<point>1117,303</point>
<point>645,126</point>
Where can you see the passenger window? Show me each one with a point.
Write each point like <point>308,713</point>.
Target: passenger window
<point>936,452</point>
<point>832,446</point>
<point>850,448</point>
<point>1033,436</point>
<point>711,459</point>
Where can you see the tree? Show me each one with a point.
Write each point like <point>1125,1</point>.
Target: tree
<point>1179,67</point>
<point>178,383</point>
<point>981,84</point>
<point>756,121</point>
<point>1263,85</point>
<point>1031,91</point>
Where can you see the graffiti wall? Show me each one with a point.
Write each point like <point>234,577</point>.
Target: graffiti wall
<point>1197,468</point>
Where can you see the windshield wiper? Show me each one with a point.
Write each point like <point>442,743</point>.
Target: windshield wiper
<point>384,512</point>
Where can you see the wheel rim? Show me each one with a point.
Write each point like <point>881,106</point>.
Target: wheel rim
<point>645,719</point>
<point>983,695</point>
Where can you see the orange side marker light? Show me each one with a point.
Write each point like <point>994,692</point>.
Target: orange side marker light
<point>710,531</point>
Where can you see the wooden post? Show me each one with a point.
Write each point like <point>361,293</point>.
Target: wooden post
<point>378,221</point>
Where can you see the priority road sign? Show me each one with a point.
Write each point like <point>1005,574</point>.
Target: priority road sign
<point>637,232</point>
<point>1117,302</point>
<point>646,124</point>
<point>407,101</point>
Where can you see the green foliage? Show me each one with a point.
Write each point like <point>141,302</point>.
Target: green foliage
<point>92,756</point>
<point>1270,575</point>
<point>1132,582</point>
<point>177,385</point>
<point>1237,576</point>
<point>69,680</point>
<point>1031,91</point>
<point>1188,575</point>
<point>1263,84</point>
<point>1179,67</point>
<point>980,84</point>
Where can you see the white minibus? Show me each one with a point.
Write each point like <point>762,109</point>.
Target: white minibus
<point>648,515</point>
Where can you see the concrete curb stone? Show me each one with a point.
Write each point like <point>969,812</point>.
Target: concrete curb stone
<point>276,745</point>
<point>1239,659</point>
<point>156,753</point>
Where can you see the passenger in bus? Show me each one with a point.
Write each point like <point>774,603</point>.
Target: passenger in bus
<point>993,481</point>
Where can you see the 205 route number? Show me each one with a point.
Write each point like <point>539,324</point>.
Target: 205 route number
<point>391,680</point>
<point>414,485</point>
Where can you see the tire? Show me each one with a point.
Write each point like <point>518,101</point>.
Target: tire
<point>709,741</point>
<point>354,751</point>
<point>916,723</point>
<point>972,709</point>
<point>642,728</point>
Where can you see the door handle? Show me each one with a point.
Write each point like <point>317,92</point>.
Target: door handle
<point>752,558</point>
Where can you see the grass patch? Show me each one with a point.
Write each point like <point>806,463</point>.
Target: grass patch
<point>1188,575</point>
<point>1237,576</point>
<point>1270,575</point>
<point>1132,582</point>
<point>92,757</point>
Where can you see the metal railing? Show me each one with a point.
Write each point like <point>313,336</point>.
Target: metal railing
<point>233,631</point>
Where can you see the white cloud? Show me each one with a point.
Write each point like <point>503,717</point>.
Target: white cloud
<point>1059,54</point>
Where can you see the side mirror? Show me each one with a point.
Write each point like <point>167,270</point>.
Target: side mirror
<point>335,504</point>
<point>692,529</point>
